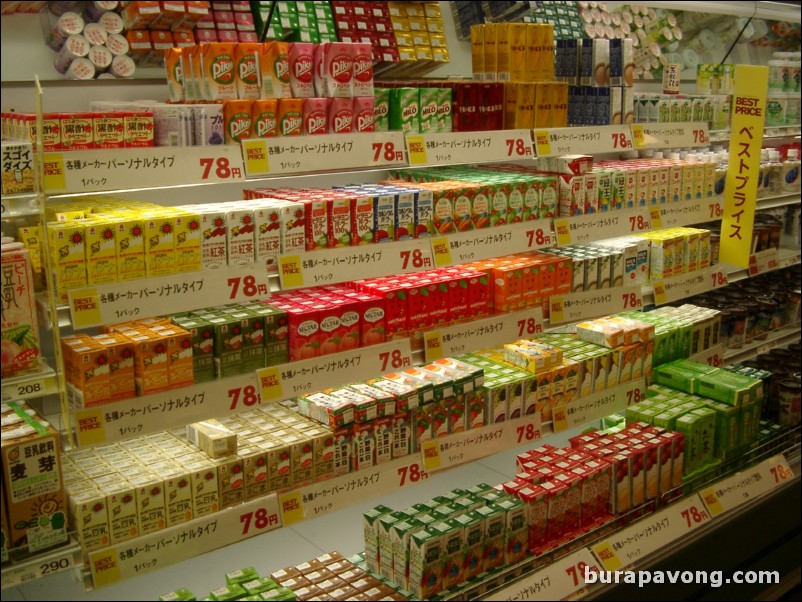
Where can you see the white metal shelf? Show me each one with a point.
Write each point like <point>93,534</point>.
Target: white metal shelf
<point>31,385</point>
<point>775,338</point>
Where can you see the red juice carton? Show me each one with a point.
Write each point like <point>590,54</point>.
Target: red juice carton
<point>349,316</point>
<point>341,115</point>
<point>362,219</point>
<point>457,282</point>
<point>316,116</point>
<point>301,65</point>
<point>362,70</point>
<point>329,327</point>
<point>363,113</point>
<point>336,69</point>
<point>396,308</point>
<point>557,503</point>
<point>340,222</point>
<point>573,499</point>
<point>317,222</point>
<point>535,497</point>
<point>304,327</point>
<point>77,131</point>
<point>372,319</point>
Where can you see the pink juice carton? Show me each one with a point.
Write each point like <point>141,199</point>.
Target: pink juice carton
<point>316,118</point>
<point>363,70</point>
<point>363,113</point>
<point>301,57</point>
<point>336,69</point>
<point>341,115</point>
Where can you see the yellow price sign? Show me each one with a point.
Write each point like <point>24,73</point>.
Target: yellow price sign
<point>656,217</point>
<point>89,426</point>
<point>542,143</point>
<point>104,566</point>
<point>560,418</point>
<point>441,251</point>
<point>416,146</point>
<point>85,308</point>
<point>292,508</point>
<point>604,552</point>
<point>54,176</point>
<point>712,502</point>
<point>256,159</point>
<point>563,229</point>
<point>637,136</point>
<point>557,309</point>
<point>430,450</point>
<point>433,342</point>
<point>292,275</point>
<point>660,293</point>
<point>270,383</point>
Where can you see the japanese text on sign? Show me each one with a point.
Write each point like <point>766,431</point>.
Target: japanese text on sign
<point>554,582</point>
<point>671,135</point>
<point>476,245</point>
<point>466,147</point>
<point>598,226</point>
<point>593,407</point>
<point>595,303</point>
<point>583,141</point>
<point>687,285</point>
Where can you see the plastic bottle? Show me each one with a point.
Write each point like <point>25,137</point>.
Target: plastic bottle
<point>775,173</point>
<point>763,180</point>
<point>790,172</point>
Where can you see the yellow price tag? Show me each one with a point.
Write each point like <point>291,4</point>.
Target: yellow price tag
<point>55,178</point>
<point>85,308</point>
<point>657,218</point>
<point>416,147</point>
<point>563,229</point>
<point>659,293</point>
<point>560,418</point>
<point>104,567</point>
<point>291,274</point>
<point>712,502</point>
<point>557,309</point>
<point>637,135</point>
<point>441,251</point>
<point>270,383</point>
<point>604,552</point>
<point>292,508</point>
<point>431,455</point>
<point>89,425</point>
<point>256,159</point>
<point>542,143</point>
<point>433,341</point>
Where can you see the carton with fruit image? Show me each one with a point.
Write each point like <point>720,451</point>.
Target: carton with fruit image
<point>362,219</point>
<point>341,222</point>
<point>267,232</point>
<point>317,222</point>
<point>329,335</point>
<point>231,480</point>
<point>304,328</point>
<point>89,513</point>
<point>254,469</point>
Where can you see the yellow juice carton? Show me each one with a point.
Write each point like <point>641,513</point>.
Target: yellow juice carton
<point>101,252</point>
<point>31,237</point>
<point>150,502</point>
<point>68,256</point>
<point>674,182</point>
<point>267,232</point>
<point>687,181</point>
<point>490,48</point>
<point>188,238</point>
<point>692,244</point>
<point>129,238</point>
<point>698,180</point>
<point>704,248</point>
<point>524,106</point>
<point>516,40</point>
<point>160,244</point>
<point>246,59</point>
<point>477,51</point>
<point>502,52</point>
<point>662,183</point>
<point>123,513</point>
<point>530,62</point>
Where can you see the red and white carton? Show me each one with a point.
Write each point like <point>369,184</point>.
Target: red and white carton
<point>556,499</point>
<point>341,115</point>
<point>316,116</point>
<point>363,70</point>
<point>536,499</point>
<point>337,69</point>
<point>363,113</point>
<point>301,57</point>
<point>304,328</point>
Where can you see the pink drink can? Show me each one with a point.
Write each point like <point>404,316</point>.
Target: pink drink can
<point>363,113</point>
<point>301,62</point>
<point>341,115</point>
<point>316,118</point>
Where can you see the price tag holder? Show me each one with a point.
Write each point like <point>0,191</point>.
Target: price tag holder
<point>674,215</point>
<point>335,369</point>
<point>556,581</point>
<point>476,245</point>
<point>187,540</point>
<point>687,285</point>
<point>468,446</point>
<point>592,304</point>
<point>135,299</point>
<point>583,141</point>
<point>165,410</point>
<point>18,205</point>
<point>123,168</point>
<point>652,533</point>
<point>670,135</point>
<point>747,485</point>
<point>764,261</point>
<point>598,226</point>
<point>42,565</point>
<point>331,152</point>
<point>483,332</point>
<point>469,147</point>
<point>712,357</point>
<point>30,385</point>
<point>597,405</point>
<point>339,265</point>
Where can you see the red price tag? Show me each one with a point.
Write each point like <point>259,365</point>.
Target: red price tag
<point>411,474</point>
<point>694,516</point>
<point>634,396</point>
<point>247,394</point>
<point>715,210</point>
<point>386,151</point>
<point>632,301</point>
<point>638,223</point>
<point>529,326</point>
<point>527,432</point>
<point>719,279</point>
<point>518,147</point>
<point>538,238</point>
<point>780,473</point>
<point>577,572</point>
<point>258,520</point>
<point>700,137</point>
<point>395,360</point>
<point>220,167</point>
<point>620,140</point>
<point>247,287</point>
<point>415,259</point>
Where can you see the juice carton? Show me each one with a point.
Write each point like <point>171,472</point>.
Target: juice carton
<point>218,71</point>
<point>188,240</point>
<point>202,338</point>
<point>151,361</point>
<point>304,326</point>
<point>230,478</point>
<point>425,563</point>
<point>67,244</point>
<point>428,110</point>
<point>264,118</point>
<point>290,116</point>
<point>101,257</point>
<point>246,60</point>
<point>340,115</point>
<point>90,372</point>
<point>122,384</point>
<point>240,236</point>
<point>381,110</point>
<point>267,232</point>
<point>160,245</point>
<point>88,510</point>
<point>362,219</point>
<point>404,110</point>
<point>317,223</point>
<point>301,70</point>
<point>275,68</point>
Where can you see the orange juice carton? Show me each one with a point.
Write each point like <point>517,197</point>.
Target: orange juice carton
<point>275,68</point>
<point>122,384</point>
<point>246,59</point>
<point>240,238</point>
<point>188,241</point>
<point>179,349</point>
<point>174,69</point>
<point>150,361</point>
<point>218,71</point>
<point>90,371</point>
<point>264,118</point>
<point>237,120</point>
<point>160,244</point>
<point>123,511</point>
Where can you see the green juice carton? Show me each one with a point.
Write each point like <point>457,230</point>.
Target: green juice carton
<point>404,109</point>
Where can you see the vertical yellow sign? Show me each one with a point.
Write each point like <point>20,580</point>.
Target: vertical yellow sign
<point>746,138</point>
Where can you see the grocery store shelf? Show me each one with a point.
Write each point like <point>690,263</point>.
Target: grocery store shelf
<point>780,200</point>
<point>760,10</point>
<point>19,205</point>
<point>776,338</point>
<point>27,386</point>
<point>41,565</point>
<point>777,132</point>
<point>767,261</point>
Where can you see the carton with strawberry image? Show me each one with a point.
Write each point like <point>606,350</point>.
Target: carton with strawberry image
<point>394,296</point>
<point>404,217</point>
<point>301,69</point>
<point>383,217</point>
<point>336,68</point>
